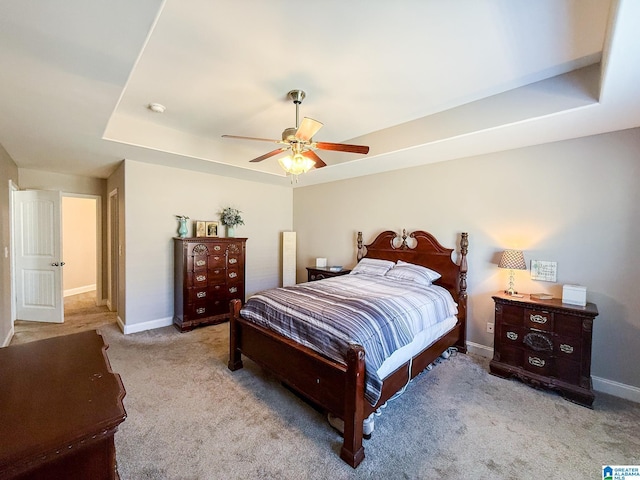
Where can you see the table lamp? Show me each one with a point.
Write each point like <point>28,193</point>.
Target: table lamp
<point>513,260</point>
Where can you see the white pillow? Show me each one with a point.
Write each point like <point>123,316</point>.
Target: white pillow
<point>372,266</point>
<point>413,273</point>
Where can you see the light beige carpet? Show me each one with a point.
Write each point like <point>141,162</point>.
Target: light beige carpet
<point>192,418</point>
<point>189,417</point>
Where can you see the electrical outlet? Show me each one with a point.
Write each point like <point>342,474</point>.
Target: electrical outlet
<point>489,327</point>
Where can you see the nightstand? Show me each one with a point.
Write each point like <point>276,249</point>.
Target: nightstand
<point>545,343</point>
<point>318,273</point>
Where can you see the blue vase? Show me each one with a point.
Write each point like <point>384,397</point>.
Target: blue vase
<point>231,232</point>
<point>182,229</point>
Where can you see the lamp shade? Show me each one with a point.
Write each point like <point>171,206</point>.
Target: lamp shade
<point>513,259</point>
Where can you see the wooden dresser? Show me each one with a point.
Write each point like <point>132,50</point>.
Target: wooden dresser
<point>545,343</point>
<point>209,273</point>
<point>60,406</point>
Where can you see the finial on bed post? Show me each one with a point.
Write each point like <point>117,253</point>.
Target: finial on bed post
<point>404,245</point>
<point>360,253</point>
<point>462,295</point>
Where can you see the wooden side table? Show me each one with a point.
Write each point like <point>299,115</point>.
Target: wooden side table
<point>545,343</point>
<point>318,273</point>
<point>60,406</point>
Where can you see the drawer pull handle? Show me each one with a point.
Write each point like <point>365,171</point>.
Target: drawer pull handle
<point>200,263</point>
<point>512,335</point>
<point>216,272</point>
<point>216,258</point>
<point>201,278</point>
<point>201,294</point>
<point>200,310</point>
<point>538,318</point>
<point>564,348</point>
<point>233,289</point>
<point>536,362</point>
<point>233,275</point>
<point>217,248</point>
<point>233,260</point>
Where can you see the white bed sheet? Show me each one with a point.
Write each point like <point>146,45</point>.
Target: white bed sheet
<point>421,341</point>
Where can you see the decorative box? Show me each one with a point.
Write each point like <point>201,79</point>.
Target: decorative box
<point>574,295</point>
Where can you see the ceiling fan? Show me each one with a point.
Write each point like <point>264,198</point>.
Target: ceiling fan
<point>299,143</point>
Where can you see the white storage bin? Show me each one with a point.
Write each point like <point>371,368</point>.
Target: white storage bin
<point>574,295</point>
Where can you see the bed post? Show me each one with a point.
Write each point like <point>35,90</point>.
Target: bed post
<point>352,450</point>
<point>235,357</point>
<point>462,293</point>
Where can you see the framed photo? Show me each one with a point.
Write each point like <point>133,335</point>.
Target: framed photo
<point>201,228</point>
<point>212,229</point>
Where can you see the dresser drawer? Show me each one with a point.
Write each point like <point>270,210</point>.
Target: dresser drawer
<point>197,263</point>
<point>196,294</point>
<point>510,314</point>
<point>510,355</point>
<point>235,291</point>
<point>511,335</point>
<point>217,276</point>
<point>217,260</point>
<point>235,261</point>
<point>218,306</point>
<point>568,325</point>
<point>568,347</point>
<point>538,362</point>
<point>568,371</point>
<point>197,310</point>
<point>234,275</point>
<point>538,319</point>
<point>197,279</point>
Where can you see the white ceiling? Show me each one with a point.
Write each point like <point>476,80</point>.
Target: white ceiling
<point>419,81</point>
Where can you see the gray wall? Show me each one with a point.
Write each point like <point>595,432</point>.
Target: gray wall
<point>574,202</point>
<point>155,195</point>
<point>8,171</point>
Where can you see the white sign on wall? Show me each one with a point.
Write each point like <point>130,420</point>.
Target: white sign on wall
<point>545,271</point>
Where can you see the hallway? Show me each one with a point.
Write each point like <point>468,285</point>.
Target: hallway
<point>80,313</point>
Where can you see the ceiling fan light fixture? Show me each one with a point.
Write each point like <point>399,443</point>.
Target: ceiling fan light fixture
<point>297,164</point>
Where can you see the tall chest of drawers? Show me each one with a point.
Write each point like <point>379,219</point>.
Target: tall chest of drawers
<point>209,273</point>
<point>545,343</point>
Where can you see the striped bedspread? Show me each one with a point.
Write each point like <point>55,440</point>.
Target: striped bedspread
<point>377,312</point>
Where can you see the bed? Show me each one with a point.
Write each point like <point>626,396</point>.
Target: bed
<point>341,386</point>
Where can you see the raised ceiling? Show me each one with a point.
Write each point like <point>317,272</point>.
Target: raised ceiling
<point>418,81</point>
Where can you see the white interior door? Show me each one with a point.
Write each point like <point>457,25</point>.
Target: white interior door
<point>38,256</point>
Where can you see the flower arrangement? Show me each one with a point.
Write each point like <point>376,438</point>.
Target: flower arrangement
<point>230,217</point>
<point>182,217</point>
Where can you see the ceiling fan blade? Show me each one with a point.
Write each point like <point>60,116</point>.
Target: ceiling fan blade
<point>252,138</point>
<point>343,147</point>
<point>313,156</point>
<point>268,155</point>
<point>308,128</point>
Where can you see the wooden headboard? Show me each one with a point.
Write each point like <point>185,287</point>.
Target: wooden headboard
<point>422,248</point>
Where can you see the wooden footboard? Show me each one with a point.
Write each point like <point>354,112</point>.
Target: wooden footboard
<point>337,388</point>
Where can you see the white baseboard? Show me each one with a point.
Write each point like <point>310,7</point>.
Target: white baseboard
<point>7,339</point>
<point>479,349</point>
<point>76,291</point>
<point>141,327</point>
<point>617,389</point>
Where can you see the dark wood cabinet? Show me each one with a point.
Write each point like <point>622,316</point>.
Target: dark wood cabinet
<point>318,273</point>
<point>209,273</point>
<point>60,406</point>
<point>545,343</point>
